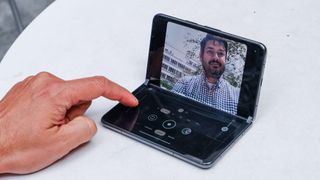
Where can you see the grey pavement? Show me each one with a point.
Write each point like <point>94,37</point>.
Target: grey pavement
<point>28,10</point>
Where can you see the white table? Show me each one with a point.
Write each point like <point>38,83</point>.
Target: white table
<point>78,38</point>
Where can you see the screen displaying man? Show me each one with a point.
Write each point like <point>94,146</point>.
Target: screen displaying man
<point>208,87</point>
<point>203,67</point>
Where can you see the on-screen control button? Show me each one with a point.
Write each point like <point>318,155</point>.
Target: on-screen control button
<point>165,111</point>
<point>152,117</point>
<point>169,124</point>
<point>186,131</point>
<point>224,129</point>
<point>159,132</point>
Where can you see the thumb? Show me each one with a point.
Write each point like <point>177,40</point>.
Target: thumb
<point>78,131</point>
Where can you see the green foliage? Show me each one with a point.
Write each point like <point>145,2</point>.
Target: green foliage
<point>166,84</point>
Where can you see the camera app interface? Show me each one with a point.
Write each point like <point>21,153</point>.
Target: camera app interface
<point>203,67</point>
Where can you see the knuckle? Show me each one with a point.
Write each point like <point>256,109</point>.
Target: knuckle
<point>41,79</point>
<point>101,81</point>
<point>28,78</point>
<point>44,74</point>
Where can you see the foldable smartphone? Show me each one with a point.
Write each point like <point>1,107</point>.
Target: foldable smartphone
<point>200,93</point>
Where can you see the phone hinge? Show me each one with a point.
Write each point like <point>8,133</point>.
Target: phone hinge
<point>146,82</point>
<point>249,119</point>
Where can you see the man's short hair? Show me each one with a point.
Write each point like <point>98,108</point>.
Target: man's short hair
<point>210,37</point>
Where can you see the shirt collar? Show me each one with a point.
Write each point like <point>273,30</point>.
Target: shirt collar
<point>205,81</point>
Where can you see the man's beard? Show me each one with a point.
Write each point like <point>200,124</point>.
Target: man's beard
<point>214,73</point>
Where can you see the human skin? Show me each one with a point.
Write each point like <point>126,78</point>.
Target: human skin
<point>213,60</point>
<point>42,119</point>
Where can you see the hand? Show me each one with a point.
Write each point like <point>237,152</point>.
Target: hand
<point>41,119</point>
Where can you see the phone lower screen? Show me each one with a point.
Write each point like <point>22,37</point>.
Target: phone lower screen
<point>171,122</point>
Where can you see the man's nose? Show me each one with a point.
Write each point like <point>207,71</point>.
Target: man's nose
<point>215,57</point>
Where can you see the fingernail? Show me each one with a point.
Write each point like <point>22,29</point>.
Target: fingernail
<point>135,101</point>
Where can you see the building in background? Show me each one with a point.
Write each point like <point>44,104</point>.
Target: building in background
<point>175,65</point>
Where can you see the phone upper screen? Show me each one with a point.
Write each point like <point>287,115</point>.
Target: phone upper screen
<point>215,68</point>
<point>202,66</point>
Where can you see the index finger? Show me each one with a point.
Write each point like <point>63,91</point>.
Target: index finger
<point>87,89</point>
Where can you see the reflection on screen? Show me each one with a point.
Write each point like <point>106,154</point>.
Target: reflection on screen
<point>204,67</point>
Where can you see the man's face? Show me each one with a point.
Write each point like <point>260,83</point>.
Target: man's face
<point>213,59</point>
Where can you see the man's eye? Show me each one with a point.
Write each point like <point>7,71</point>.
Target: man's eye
<point>221,54</point>
<point>209,52</point>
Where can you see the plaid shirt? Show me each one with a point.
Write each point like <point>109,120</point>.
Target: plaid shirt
<point>221,95</point>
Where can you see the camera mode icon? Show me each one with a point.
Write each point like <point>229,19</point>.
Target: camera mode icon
<point>152,117</point>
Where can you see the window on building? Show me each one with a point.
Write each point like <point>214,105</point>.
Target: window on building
<point>171,70</point>
<point>174,62</point>
<point>164,66</point>
<point>180,65</point>
<point>171,79</point>
<point>166,58</point>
